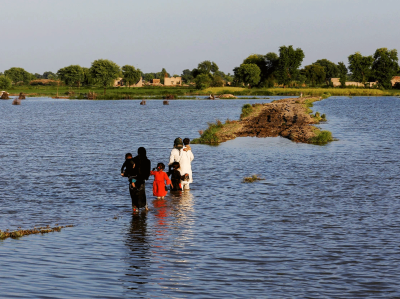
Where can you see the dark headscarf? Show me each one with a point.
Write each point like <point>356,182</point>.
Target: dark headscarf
<point>142,165</point>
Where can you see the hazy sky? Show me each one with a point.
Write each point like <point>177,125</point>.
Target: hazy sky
<point>46,35</point>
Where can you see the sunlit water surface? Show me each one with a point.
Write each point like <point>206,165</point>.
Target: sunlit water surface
<point>324,223</point>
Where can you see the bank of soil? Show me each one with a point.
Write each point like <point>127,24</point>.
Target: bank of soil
<point>289,118</point>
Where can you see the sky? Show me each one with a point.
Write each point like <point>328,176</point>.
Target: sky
<point>46,35</point>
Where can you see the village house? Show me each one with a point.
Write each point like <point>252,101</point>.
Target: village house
<point>120,82</point>
<point>395,79</point>
<point>336,82</point>
<point>173,81</point>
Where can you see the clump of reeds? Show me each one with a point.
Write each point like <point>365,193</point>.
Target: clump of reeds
<point>209,135</point>
<point>252,179</point>
<point>246,110</point>
<point>326,95</point>
<point>228,121</point>
<point>37,230</point>
<point>318,117</point>
<point>322,137</point>
<point>91,95</point>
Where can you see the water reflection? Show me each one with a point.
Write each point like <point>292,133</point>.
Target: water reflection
<point>138,255</point>
<point>155,240</point>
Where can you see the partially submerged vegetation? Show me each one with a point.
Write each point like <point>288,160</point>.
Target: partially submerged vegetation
<point>252,179</point>
<point>185,92</point>
<point>25,232</point>
<point>290,118</point>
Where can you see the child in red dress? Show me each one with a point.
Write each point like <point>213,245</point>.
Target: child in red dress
<point>160,177</point>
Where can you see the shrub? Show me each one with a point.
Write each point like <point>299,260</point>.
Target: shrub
<point>209,135</point>
<point>246,110</point>
<point>322,137</point>
<point>203,81</point>
<point>326,95</point>
<point>5,83</point>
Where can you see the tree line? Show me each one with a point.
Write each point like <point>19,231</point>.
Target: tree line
<point>257,70</point>
<point>284,69</point>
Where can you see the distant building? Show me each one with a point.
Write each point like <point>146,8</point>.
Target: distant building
<point>395,79</point>
<point>336,83</point>
<point>173,81</point>
<point>120,82</point>
<point>155,81</point>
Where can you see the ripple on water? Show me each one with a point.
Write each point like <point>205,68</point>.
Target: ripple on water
<point>323,223</point>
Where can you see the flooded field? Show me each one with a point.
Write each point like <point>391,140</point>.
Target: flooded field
<point>323,224</point>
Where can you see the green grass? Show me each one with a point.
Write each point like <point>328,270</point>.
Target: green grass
<point>246,110</point>
<point>322,137</point>
<point>161,91</point>
<point>209,135</point>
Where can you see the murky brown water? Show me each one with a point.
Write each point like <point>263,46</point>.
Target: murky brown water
<point>324,222</point>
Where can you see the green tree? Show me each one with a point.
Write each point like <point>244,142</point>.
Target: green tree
<point>260,61</point>
<point>72,74</point>
<point>47,74</point>
<point>203,81</point>
<point>288,64</point>
<point>207,67</point>
<point>360,67</point>
<point>5,82</point>
<point>331,69</point>
<point>104,72</point>
<point>18,74</point>
<point>87,77</point>
<point>187,76</point>
<point>149,76</point>
<point>217,81</point>
<point>342,70</point>
<point>385,66</point>
<point>314,73</point>
<point>271,64</point>
<point>249,74</point>
<point>163,74</point>
<point>130,75</point>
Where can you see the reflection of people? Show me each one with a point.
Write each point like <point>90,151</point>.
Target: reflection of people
<point>160,177</point>
<point>185,162</point>
<point>142,173</point>
<point>137,256</point>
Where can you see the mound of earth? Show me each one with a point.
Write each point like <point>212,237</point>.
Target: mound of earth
<point>227,96</point>
<point>288,118</point>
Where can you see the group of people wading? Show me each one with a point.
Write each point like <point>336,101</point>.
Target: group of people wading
<point>138,170</point>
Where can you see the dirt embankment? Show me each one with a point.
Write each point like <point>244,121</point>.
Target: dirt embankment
<point>289,118</point>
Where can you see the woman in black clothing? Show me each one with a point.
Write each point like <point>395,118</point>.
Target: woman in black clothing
<point>142,172</point>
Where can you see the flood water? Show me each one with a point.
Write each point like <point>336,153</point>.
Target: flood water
<point>324,223</point>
